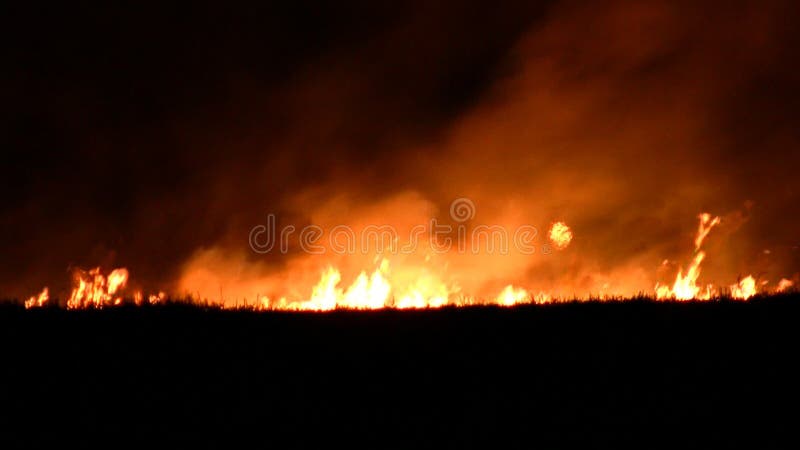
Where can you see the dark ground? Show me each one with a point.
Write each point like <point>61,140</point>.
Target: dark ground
<point>674,375</point>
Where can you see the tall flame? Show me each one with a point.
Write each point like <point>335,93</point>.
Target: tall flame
<point>685,286</point>
<point>705,226</point>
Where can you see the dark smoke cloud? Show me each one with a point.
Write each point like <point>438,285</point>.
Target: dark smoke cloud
<point>135,136</point>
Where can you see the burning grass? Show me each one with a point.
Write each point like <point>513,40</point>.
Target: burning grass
<point>407,286</point>
<point>179,303</point>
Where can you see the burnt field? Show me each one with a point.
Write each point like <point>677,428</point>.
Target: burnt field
<point>678,374</point>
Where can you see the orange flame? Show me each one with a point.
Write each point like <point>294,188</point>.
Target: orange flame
<point>372,291</point>
<point>155,299</point>
<point>93,290</point>
<point>511,296</point>
<point>706,224</point>
<point>685,286</point>
<point>411,287</point>
<point>744,289</point>
<point>784,285</point>
<point>38,301</point>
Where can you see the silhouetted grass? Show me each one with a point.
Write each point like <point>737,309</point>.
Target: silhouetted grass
<point>677,374</point>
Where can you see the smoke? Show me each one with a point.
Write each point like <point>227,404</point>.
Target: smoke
<point>625,120</point>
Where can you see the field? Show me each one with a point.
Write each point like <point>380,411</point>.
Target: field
<point>651,373</point>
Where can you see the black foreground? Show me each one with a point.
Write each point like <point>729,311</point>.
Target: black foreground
<point>651,374</point>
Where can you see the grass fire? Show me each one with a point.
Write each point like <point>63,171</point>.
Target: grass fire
<point>456,224</point>
<point>380,289</point>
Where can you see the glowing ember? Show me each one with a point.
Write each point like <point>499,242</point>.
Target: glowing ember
<point>38,301</point>
<point>560,235</point>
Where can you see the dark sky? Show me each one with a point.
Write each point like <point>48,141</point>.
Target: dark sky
<point>136,135</point>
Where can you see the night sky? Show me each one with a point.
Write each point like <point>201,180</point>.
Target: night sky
<point>149,136</point>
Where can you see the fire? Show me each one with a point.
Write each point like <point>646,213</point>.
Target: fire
<point>369,292</point>
<point>560,235</point>
<point>705,226</point>
<point>38,301</point>
<point>511,296</point>
<point>382,289</point>
<point>685,286</point>
<point>93,290</point>
<point>784,285</point>
<point>744,289</point>
<point>425,291</point>
<point>155,299</point>
<point>373,291</point>
<point>409,285</point>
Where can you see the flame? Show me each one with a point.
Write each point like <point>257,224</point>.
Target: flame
<point>410,285</point>
<point>784,285</point>
<point>427,291</point>
<point>382,289</point>
<point>116,280</point>
<point>511,296</point>
<point>93,290</point>
<point>705,226</point>
<point>744,289</point>
<point>155,299</point>
<point>369,293</point>
<point>685,286</point>
<point>38,301</point>
<point>560,235</point>
<point>372,291</point>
